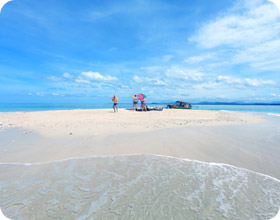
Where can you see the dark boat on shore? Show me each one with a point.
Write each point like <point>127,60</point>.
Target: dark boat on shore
<point>180,105</point>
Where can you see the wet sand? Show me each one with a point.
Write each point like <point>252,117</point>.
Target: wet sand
<point>136,187</point>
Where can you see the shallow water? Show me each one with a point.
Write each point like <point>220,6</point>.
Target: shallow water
<point>135,187</point>
<point>52,106</point>
<point>274,109</point>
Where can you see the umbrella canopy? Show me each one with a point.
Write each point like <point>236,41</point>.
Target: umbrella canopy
<point>141,96</point>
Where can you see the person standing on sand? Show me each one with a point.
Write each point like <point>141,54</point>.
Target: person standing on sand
<point>143,105</point>
<point>115,100</point>
<point>135,102</point>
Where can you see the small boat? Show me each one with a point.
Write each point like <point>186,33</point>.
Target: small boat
<point>180,105</point>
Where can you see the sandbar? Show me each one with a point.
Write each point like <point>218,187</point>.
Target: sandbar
<point>244,140</point>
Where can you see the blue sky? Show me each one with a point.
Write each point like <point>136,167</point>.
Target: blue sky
<point>70,51</point>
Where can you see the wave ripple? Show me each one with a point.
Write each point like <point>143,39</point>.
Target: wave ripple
<point>136,187</point>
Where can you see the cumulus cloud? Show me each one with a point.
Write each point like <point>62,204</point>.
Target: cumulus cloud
<point>245,82</point>
<point>90,78</point>
<point>67,76</point>
<point>263,55</point>
<point>137,79</point>
<point>256,25</point>
<point>222,81</point>
<point>248,33</point>
<point>97,76</point>
<point>149,81</point>
<point>156,82</point>
<point>79,80</point>
<point>185,74</point>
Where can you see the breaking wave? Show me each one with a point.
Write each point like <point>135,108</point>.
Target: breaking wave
<point>273,114</point>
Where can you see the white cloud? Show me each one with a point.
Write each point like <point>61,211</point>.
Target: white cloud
<point>256,25</point>
<point>198,59</point>
<point>67,76</point>
<point>245,82</point>
<point>137,79</point>
<point>53,78</point>
<point>221,81</point>
<point>249,33</point>
<point>97,76</point>
<point>208,85</point>
<point>221,96</point>
<point>275,95</point>
<point>277,4</point>
<point>150,81</point>
<point>261,99</point>
<point>79,80</point>
<point>40,94</point>
<point>156,82</point>
<point>185,74</point>
<point>266,54</point>
<point>56,94</point>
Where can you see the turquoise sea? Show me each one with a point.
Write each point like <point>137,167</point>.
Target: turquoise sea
<point>241,108</point>
<point>42,107</point>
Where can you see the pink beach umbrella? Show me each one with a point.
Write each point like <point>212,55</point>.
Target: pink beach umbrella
<point>141,96</point>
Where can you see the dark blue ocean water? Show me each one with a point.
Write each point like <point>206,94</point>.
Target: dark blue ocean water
<point>41,107</point>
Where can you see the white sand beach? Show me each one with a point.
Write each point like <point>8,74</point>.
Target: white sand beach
<point>61,123</point>
<point>239,139</point>
<point>85,154</point>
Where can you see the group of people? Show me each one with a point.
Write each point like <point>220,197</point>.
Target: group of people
<point>135,103</point>
<point>143,103</point>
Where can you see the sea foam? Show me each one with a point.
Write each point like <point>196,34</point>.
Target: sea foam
<point>273,114</point>
<point>135,187</point>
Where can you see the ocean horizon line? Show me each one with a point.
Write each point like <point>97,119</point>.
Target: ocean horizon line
<point>164,102</point>
<point>23,107</point>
